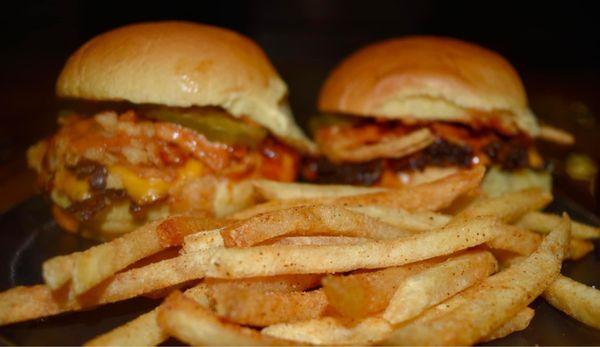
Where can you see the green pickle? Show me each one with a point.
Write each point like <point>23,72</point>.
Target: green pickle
<point>325,120</point>
<point>215,124</point>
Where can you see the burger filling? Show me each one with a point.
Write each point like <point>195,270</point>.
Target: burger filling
<point>147,161</point>
<point>372,152</point>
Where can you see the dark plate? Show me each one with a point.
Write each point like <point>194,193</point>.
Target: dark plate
<point>28,236</point>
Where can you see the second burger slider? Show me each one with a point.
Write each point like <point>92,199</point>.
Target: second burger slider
<point>411,110</point>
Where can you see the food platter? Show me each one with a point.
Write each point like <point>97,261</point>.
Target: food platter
<point>30,236</point>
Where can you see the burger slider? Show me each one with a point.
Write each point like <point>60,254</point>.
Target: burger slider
<point>185,114</point>
<point>415,109</point>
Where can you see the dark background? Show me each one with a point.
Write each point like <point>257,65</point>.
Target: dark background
<point>555,47</point>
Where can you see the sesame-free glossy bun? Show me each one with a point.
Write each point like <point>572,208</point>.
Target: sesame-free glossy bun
<point>432,79</point>
<point>182,64</point>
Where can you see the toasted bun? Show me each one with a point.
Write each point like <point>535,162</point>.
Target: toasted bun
<point>432,79</point>
<point>182,64</point>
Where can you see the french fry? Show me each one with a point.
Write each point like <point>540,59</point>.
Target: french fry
<point>437,283</point>
<point>145,330</point>
<point>42,301</point>
<point>90,267</point>
<point>415,221</point>
<point>579,249</point>
<point>58,271</point>
<point>279,260</point>
<point>575,299</point>
<point>519,322</point>
<point>523,242</point>
<point>494,301</point>
<point>431,196</point>
<point>545,222</point>
<point>516,240</point>
<point>203,240</point>
<point>556,135</point>
<point>189,322</point>
<point>307,220</point>
<point>276,284</point>
<point>142,331</point>
<point>320,240</point>
<point>361,294</point>
<point>259,308</point>
<point>331,331</point>
<point>274,190</point>
<point>508,207</point>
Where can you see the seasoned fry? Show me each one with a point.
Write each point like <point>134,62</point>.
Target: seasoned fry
<point>331,331</point>
<point>516,240</point>
<point>579,249</point>
<point>431,196</point>
<point>387,147</point>
<point>437,283</point>
<point>145,330</point>
<point>203,240</point>
<point>278,260</point>
<point>556,135</point>
<point>523,242</point>
<point>142,331</point>
<point>307,220</point>
<point>545,222</point>
<point>508,207</point>
<point>415,221</point>
<point>58,271</point>
<point>361,294</point>
<point>98,263</point>
<point>259,308</point>
<point>320,240</point>
<point>278,284</point>
<point>575,299</point>
<point>517,323</point>
<point>494,301</point>
<point>41,301</point>
<point>189,322</point>
<point>274,190</point>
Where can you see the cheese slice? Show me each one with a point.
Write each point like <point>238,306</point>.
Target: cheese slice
<point>146,190</point>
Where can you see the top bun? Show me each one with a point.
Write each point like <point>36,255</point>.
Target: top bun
<point>182,64</point>
<point>431,79</point>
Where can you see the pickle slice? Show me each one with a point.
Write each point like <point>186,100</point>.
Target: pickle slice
<point>215,124</point>
<point>325,120</point>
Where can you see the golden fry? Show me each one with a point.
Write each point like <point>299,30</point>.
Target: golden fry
<point>89,268</point>
<point>189,322</point>
<point>280,260</point>
<point>431,196</point>
<point>545,222</point>
<point>518,322</point>
<point>494,301</point>
<point>575,299</point>
<point>274,190</point>
<point>437,283</point>
<point>364,293</point>
<point>307,220</point>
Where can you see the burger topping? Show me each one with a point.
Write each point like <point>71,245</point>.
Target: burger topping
<point>444,145</point>
<point>215,124</point>
<point>370,143</point>
<point>93,162</point>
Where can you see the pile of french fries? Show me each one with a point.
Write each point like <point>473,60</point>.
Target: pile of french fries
<point>436,263</point>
